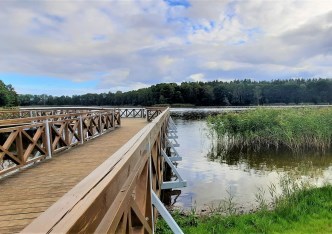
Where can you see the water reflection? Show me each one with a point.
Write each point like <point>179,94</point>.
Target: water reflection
<point>212,175</point>
<point>305,163</point>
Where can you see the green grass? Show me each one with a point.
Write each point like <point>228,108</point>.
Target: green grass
<point>295,129</point>
<point>304,211</point>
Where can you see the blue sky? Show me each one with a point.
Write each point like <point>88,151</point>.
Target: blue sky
<point>46,85</point>
<point>76,47</point>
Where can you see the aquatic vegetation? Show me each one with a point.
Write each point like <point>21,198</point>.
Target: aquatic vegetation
<point>295,129</point>
<point>299,209</point>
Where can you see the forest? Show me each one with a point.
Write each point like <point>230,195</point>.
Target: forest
<point>214,93</point>
<point>8,96</point>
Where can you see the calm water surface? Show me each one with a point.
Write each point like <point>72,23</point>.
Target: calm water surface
<point>212,177</point>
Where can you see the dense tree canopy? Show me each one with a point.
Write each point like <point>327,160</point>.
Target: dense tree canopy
<point>8,96</point>
<point>215,93</point>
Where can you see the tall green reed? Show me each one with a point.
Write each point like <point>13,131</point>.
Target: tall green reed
<point>294,129</point>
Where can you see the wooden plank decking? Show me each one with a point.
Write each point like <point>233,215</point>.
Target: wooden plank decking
<point>25,195</point>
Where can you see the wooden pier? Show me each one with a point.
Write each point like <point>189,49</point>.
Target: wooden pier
<point>90,171</point>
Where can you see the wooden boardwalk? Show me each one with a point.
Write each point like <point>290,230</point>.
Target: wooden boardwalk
<point>25,195</point>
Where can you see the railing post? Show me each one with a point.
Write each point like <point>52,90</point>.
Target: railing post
<point>150,184</point>
<point>113,119</point>
<point>100,130</point>
<point>48,138</point>
<point>19,147</point>
<point>81,129</point>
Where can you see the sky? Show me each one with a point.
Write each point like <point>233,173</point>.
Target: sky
<point>74,47</point>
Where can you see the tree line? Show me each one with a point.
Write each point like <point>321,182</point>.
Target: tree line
<point>214,93</point>
<point>8,96</point>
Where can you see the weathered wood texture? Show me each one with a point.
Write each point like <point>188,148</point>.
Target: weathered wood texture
<point>116,197</point>
<point>29,140</point>
<point>25,195</point>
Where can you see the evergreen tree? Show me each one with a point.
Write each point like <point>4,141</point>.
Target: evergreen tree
<point>214,93</point>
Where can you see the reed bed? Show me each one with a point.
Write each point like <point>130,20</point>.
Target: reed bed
<point>295,129</point>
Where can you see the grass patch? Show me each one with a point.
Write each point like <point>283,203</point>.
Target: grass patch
<point>304,211</point>
<point>296,129</point>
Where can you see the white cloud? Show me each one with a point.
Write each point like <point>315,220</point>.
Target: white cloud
<point>129,44</point>
<point>197,77</point>
<point>115,77</point>
<point>207,9</point>
<point>225,65</point>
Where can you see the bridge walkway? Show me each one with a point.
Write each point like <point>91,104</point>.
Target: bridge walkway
<point>25,195</point>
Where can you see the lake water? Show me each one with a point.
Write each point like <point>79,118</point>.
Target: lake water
<point>212,178</point>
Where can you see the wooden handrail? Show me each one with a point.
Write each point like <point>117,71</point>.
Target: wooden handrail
<point>20,145</point>
<point>115,197</point>
<point>50,117</point>
<point>27,140</point>
<point>25,113</point>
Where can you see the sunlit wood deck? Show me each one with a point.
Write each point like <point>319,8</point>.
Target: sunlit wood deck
<point>25,195</point>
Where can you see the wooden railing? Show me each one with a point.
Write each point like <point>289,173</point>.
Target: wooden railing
<point>116,197</point>
<point>32,112</point>
<point>153,112</point>
<point>13,114</point>
<point>132,112</point>
<point>150,113</point>
<point>24,141</point>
